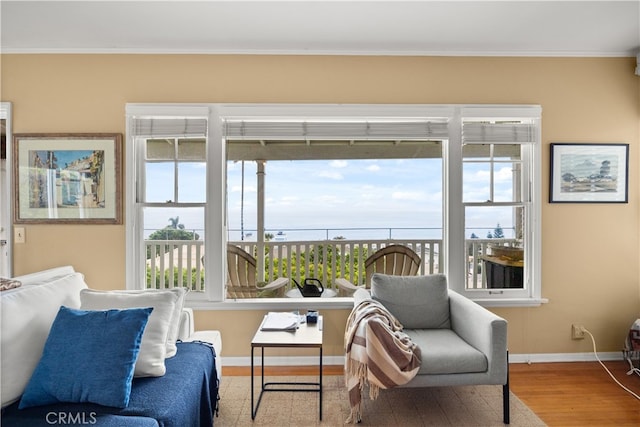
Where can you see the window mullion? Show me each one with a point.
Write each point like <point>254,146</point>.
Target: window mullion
<point>492,168</point>
<point>454,234</point>
<point>175,171</point>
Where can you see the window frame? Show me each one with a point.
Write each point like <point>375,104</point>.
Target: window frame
<point>453,222</point>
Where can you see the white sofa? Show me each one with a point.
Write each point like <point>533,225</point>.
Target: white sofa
<point>28,312</point>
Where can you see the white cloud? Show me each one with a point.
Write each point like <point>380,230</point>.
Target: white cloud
<point>247,189</point>
<point>331,175</point>
<point>289,200</point>
<point>338,163</point>
<point>329,200</point>
<point>373,168</point>
<point>407,195</point>
<point>505,174</point>
<point>368,192</point>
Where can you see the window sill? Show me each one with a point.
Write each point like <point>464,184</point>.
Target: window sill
<point>511,302</point>
<point>338,303</point>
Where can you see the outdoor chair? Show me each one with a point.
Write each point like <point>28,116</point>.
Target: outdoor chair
<point>396,260</point>
<point>241,279</point>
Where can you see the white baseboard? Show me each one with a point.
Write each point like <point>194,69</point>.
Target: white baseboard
<point>339,360</point>
<point>564,357</point>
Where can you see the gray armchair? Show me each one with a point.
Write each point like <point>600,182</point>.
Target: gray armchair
<point>461,342</point>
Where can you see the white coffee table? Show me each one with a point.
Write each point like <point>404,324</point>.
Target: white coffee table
<point>306,336</point>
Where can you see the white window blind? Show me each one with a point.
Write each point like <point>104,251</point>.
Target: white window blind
<point>170,126</point>
<point>336,129</point>
<point>498,133</point>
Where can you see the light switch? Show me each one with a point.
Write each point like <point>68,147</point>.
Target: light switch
<point>19,235</point>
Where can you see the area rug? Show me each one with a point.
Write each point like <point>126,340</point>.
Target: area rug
<point>475,406</point>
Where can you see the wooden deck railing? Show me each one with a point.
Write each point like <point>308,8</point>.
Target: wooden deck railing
<point>178,263</point>
<point>175,263</point>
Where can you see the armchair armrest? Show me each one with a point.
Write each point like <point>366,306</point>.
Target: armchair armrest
<point>482,329</point>
<point>276,286</point>
<point>345,287</point>
<point>278,283</point>
<point>360,295</point>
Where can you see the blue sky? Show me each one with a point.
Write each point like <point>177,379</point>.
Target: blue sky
<point>340,194</point>
<point>337,194</point>
<point>384,194</point>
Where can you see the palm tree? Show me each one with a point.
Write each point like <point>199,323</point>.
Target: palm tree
<point>174,222</point>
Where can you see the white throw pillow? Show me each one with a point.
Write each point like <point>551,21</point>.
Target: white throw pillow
<point>153,348</point>
<point>174,324</point>
<point>27,314</point>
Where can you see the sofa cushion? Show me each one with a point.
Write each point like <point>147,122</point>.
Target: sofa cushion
<point>444,352</point>
<point>214,338</point>
<point>186,396</point>
<point>45,276</point>
<point>153,349</point>
<point>89,356</point>
<point>416,301</point>
<point>174,322</point>
<point>27,314</point>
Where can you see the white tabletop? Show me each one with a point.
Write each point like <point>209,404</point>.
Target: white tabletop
<point>307,335</point>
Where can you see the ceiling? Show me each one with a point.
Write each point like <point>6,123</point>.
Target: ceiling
<point>469,28</point>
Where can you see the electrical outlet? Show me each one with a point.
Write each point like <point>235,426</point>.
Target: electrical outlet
<point>577,331</point>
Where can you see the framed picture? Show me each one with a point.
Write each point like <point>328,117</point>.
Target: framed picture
<point>67,178</point>
<point>589,173</point>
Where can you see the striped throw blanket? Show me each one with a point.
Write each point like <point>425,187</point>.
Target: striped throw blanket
<point>378,353</point>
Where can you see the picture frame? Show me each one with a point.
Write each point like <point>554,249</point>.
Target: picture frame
<point>589,173</point>
<point>73,178</point>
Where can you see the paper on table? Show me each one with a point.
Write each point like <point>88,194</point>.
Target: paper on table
<point>280,321</point>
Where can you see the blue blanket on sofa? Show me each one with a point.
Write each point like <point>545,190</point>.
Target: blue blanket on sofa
<point>186,395</point>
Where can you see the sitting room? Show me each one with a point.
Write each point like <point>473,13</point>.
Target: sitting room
<point>217,161</point>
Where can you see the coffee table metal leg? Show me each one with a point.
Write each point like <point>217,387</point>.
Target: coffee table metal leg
<point>265,387</point>
<point>262,369</point>
<point>320,384</point>
<point>253,413</point>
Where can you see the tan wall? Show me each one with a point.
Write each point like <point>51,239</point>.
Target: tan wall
<point>590,252</point>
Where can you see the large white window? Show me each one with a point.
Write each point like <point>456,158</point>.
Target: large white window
<point>487,237</point>
<point>500,159</point>
<point>168,203</point>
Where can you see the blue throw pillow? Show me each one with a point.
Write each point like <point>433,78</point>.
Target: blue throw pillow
<point>89,356</point>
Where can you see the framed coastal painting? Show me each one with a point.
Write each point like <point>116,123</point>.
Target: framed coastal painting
<point>589,173</point>
<point>67,178</point>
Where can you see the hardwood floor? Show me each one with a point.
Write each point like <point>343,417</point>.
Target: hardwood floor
<point>578,393</point>
<point>561,394</point>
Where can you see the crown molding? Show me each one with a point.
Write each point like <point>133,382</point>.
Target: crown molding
<point>293,52</point>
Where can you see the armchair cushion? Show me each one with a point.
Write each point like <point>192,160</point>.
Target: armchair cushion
<point>447,352</point>
<point>418,302</point>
